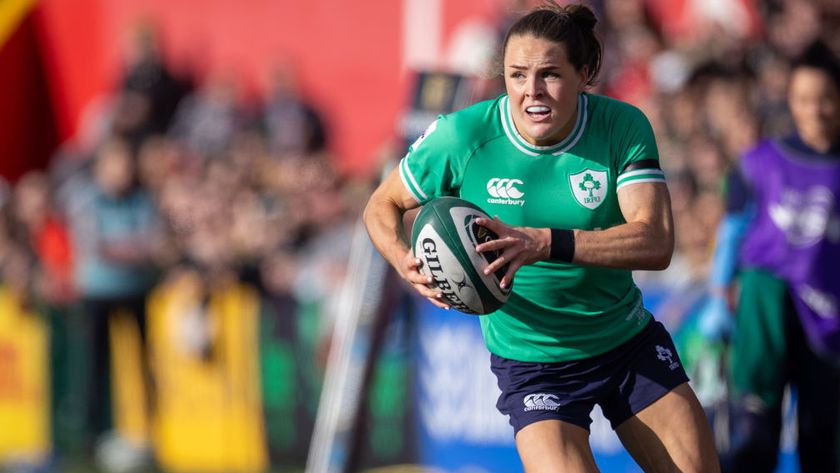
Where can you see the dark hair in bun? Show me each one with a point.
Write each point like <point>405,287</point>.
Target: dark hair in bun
<point>570,25</point>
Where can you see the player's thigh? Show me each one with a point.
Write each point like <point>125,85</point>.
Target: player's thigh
<point>672,434</point>
<point>550,446</point>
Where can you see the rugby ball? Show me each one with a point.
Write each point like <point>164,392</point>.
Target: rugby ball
<point>444,237</point>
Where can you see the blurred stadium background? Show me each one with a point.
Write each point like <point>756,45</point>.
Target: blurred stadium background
<point>209,160</point>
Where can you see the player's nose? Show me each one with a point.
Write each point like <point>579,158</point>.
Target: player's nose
<point>533,87</point>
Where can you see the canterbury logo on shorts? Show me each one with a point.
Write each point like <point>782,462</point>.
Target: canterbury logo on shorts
<point>541,402</point>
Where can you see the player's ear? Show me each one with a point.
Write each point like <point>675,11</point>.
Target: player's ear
<point>584,74</point>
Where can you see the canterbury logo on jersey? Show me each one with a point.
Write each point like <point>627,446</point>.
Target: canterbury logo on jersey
<point>505,191</point>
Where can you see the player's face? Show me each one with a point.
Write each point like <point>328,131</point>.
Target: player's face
<point>543,87</point>
<point>814,103</point>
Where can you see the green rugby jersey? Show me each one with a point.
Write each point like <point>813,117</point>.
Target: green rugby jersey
<point>557,311</point>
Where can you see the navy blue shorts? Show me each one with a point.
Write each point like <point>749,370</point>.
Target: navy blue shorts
<point>623,381</point>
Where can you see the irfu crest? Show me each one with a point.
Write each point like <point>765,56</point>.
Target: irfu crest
<point>589,187</point>
<point>589,184</point>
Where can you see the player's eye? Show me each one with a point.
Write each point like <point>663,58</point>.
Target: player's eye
<point>551,75</point>
<point>517,75</point>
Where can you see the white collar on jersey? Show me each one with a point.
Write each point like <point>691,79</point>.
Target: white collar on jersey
<point>534,150</point>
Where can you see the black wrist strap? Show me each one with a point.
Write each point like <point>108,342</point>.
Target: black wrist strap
<point>562,245</point>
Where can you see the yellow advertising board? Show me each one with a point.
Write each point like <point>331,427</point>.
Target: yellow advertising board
<point>204,359</point>
<point>24,383</point>
<point>128,380</point>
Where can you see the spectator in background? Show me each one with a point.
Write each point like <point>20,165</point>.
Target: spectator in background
<point>793,25</point>
<point>115,229</point>
<point>771,79</point>
<point>631,43</point>
<point>292,126</point>
<point>208,119</point>
<point>16,258</point>
<point>44,235</point>
<point>781,233</point>
<point>157,158</point>
<point>148,79</point>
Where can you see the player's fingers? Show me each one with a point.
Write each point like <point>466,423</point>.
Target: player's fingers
<point>500,261</point>
<point>510,255</point>
<point>499,244</point>
<point>496,264</point>
<point>494,224</point>
<point>415,277</point>
<point>493,245</point>
<point>433,295</point>
<point>440,302</point>
<point>507,279</point>
<point>424,284</point>
<point>412,263</point>
<point>428,292</point>
<point>409,268</point>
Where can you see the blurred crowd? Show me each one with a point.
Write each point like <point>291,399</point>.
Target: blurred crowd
<point>175,176</point>
<point>171,177</point>
<point>171,174</point>
<point>712,78</point>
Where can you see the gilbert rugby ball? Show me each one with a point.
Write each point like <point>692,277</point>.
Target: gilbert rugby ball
<point>444,237</point>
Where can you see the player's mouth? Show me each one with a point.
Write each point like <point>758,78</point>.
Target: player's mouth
<point>538,113</point>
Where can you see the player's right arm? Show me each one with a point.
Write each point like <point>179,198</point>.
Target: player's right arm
<point>383,217</point>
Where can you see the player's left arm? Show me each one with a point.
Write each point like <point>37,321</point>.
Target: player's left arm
<point>645,241</point>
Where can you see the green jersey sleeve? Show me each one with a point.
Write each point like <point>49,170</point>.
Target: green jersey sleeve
<point>638,157</point>
<point>434,164</point>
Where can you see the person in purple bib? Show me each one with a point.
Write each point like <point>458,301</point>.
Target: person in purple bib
<point>780,241</point>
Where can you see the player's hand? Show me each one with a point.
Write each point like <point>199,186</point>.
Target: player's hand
<point>518,246</point>
<point>409,270</point>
